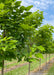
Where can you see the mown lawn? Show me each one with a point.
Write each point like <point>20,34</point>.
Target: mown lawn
<point>24,69</point>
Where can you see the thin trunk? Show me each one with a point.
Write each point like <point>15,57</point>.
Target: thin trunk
<point>49,58</point>
<point>3,59</point>
<point>3,67</point>
<point>46,60</point>
<point>40,64</point>
<point>29,54</point>
<point>29,62</point>
<point>29,69</point>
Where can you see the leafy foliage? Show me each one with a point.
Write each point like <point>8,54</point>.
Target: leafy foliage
<point>44,34</point>
<point>7,48</point>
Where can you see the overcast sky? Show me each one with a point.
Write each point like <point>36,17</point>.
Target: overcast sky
<point>44,5</point>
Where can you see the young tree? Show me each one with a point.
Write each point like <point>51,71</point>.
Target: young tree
<point>31,23</point>
<point>45,38</point>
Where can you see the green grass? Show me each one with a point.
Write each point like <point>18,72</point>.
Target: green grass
<point>13,64</point>
<point>17,63</point>
<point>20,71</point>
<point>51,70</point>
<point>24,69</point>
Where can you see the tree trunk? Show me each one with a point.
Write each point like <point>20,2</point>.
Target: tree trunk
<point>3,67</point>
<point>29,69</point>
<point>46,60</point>
<point>40,64</point>
<point>49,58</point>
<point>3,59</point>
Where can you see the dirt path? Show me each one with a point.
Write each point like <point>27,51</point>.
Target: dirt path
<point>44,69</point>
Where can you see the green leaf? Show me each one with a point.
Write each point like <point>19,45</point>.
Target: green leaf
<point>39,55</point>
<point>28,8</point>
<point>41,48</point>
<point>17,3</point>
<point>1,6</point>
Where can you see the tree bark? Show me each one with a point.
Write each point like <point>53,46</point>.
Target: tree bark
<point>3,67</point>
<point>49,58</point>
<point>40,64</point>
<point>29,69</point>
<point>46,60</point>
<point>4,34</point>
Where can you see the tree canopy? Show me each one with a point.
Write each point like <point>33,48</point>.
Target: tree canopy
<point>44,34</point>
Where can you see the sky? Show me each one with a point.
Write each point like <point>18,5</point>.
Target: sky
<point>47,6</point>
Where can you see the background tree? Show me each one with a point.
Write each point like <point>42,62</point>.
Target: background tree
<point>31,23</point>
<point>45,38</point>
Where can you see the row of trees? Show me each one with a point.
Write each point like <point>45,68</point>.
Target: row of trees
<point>22,36</point>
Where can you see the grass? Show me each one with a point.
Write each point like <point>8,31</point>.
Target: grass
<point>24,69</point>
<point>12,63</point>
<point>51,70</point>
<point>19,71</point>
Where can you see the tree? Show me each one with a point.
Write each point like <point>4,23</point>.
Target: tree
<point>45,38</point>
<point>30,24</point>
